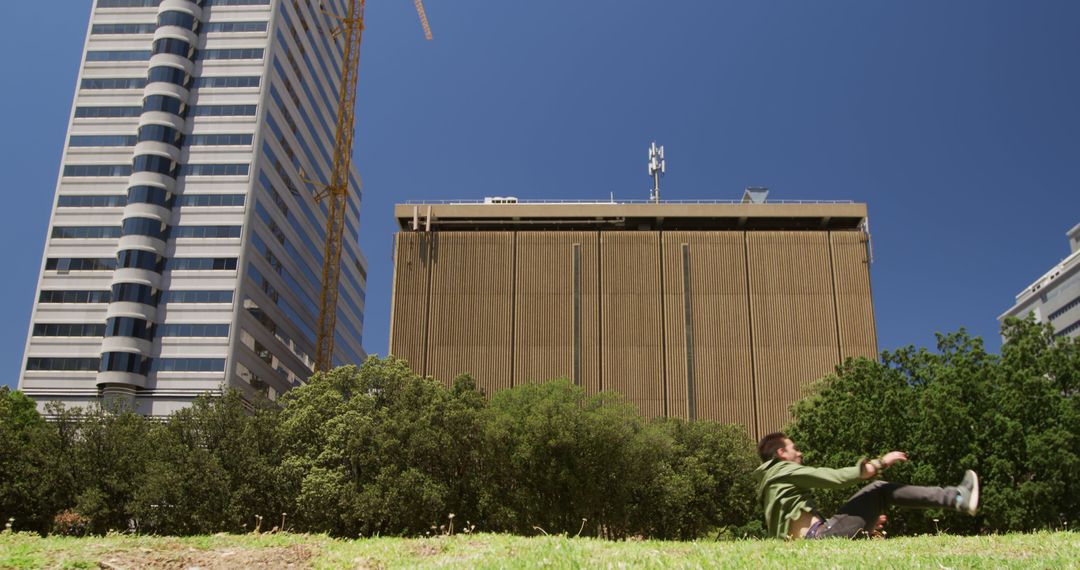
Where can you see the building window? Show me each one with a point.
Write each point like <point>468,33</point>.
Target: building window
<point>95,201</point>
<point>129,326</point>
<point>160,133</point>
<point>134,293</point>
<point>69,329</point>
<point>73,296</point>
<point>122,29</point>
<point>190,365</point>
<point>235,27</point>
<point>119,55</point>
<point>148,227</point>
<point>168,74</point>
<point>85,232</point>
<point>139,259</point>
<point>156,164</point>
<point>206,232</point>
<point>202,264</point>
<point>113,83</point>
<point>101,140</point>
<point>195,330</point>
<point>236,3</point>
<point>97,170</point>
<point>173,46</point>
<point>234,53</point>
<point>124,362</point>
<point>128,3</point>
<point>106,112</point>
<point>243,81</point>
<point>220,140</point>
<point>195,296</point>
<point>214,170</point>
<point>178,19</point>
<point>150,195</point>
<point>224,110</point>
<point>201,200</point>
<point>64,364</point>
<point>165,104</point>
<point>65,264</point>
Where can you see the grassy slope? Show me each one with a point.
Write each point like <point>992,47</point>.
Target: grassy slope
<point>1043,550</point>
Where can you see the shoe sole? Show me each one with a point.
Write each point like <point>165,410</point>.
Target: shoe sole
<point>973,501</point>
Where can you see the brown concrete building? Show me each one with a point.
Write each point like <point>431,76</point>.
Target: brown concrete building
<point>720,311</point>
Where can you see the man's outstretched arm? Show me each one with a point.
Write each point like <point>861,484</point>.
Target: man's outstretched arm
<point>826,478</point>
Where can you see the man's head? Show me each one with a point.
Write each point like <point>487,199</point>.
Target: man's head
<point>778,445</point>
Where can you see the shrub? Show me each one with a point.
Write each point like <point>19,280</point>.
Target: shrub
<point>70,523</point>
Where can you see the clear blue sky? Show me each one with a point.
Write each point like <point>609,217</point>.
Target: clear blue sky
<point>957,122</point>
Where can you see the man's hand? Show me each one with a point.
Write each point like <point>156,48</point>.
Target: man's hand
<point>892,457</point>
<point>874,467</point>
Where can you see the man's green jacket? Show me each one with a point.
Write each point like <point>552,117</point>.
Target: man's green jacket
<point>784,489</point>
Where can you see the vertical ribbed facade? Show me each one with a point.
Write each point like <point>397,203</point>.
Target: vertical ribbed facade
<point>715,325</point>
<point>185,246</point>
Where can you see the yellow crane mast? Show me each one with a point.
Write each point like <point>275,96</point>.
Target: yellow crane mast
<point>351,26</point>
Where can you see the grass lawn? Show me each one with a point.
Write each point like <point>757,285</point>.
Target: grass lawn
<point>1041,550</point>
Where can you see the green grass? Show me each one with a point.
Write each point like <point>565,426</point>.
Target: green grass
<point>1040,550</point>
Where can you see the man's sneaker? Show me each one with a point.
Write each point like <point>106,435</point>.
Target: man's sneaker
<point>967,500</point>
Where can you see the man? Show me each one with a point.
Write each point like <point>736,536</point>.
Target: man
<point>784,491</point>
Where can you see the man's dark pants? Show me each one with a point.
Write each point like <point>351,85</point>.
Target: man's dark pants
<point>862,510</point>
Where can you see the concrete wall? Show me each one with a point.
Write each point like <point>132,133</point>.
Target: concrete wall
<point>718,325</point>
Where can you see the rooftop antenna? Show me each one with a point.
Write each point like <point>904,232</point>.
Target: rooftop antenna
<point>656,168</point>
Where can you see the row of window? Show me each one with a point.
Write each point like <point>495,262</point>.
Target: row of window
<point>135,293</point>
<point>101,140</point>
<point>113,83</point>
<point>130,327</point>
<point>173,46</point>
<point>69,329</point>
<point>176,47</point>
<point>139,260</point>
<point>158,164</point>
<point>122,29</point>
<point>118,55</point>
<point>194,330</point>
<point>137,364</point>
<point>198,111</point>
<point>160,133</point>
<point>214,170</point>
<point>206,232</point>
<point>85,232</point>
<point>211,200</point>
<point>62,364</point>
<point>97,170</point>
<point>1069,329</point>
<point>178,19</point>
<point>154,3</point>
<point>234,27</point>
<point>228,81</point>
<point>1075,302</point>
<point>220,139</point>
<point>73,296</point>
<point>170,75</point>
<point>231,53</point>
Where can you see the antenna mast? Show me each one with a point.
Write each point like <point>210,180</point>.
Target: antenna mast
<point>657,167</point>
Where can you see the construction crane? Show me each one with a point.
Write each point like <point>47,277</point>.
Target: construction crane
<point>336,191</point>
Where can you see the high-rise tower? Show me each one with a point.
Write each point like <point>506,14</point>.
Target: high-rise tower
<point>185,246</point>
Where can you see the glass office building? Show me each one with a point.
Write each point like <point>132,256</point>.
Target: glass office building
<point>184,252</point>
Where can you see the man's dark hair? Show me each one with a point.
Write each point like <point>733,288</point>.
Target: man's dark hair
<point>770,444</point>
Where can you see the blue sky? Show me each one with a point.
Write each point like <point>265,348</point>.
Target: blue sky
<point>957,122</point>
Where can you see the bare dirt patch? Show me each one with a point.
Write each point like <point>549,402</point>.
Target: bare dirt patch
<point>295,556</point>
